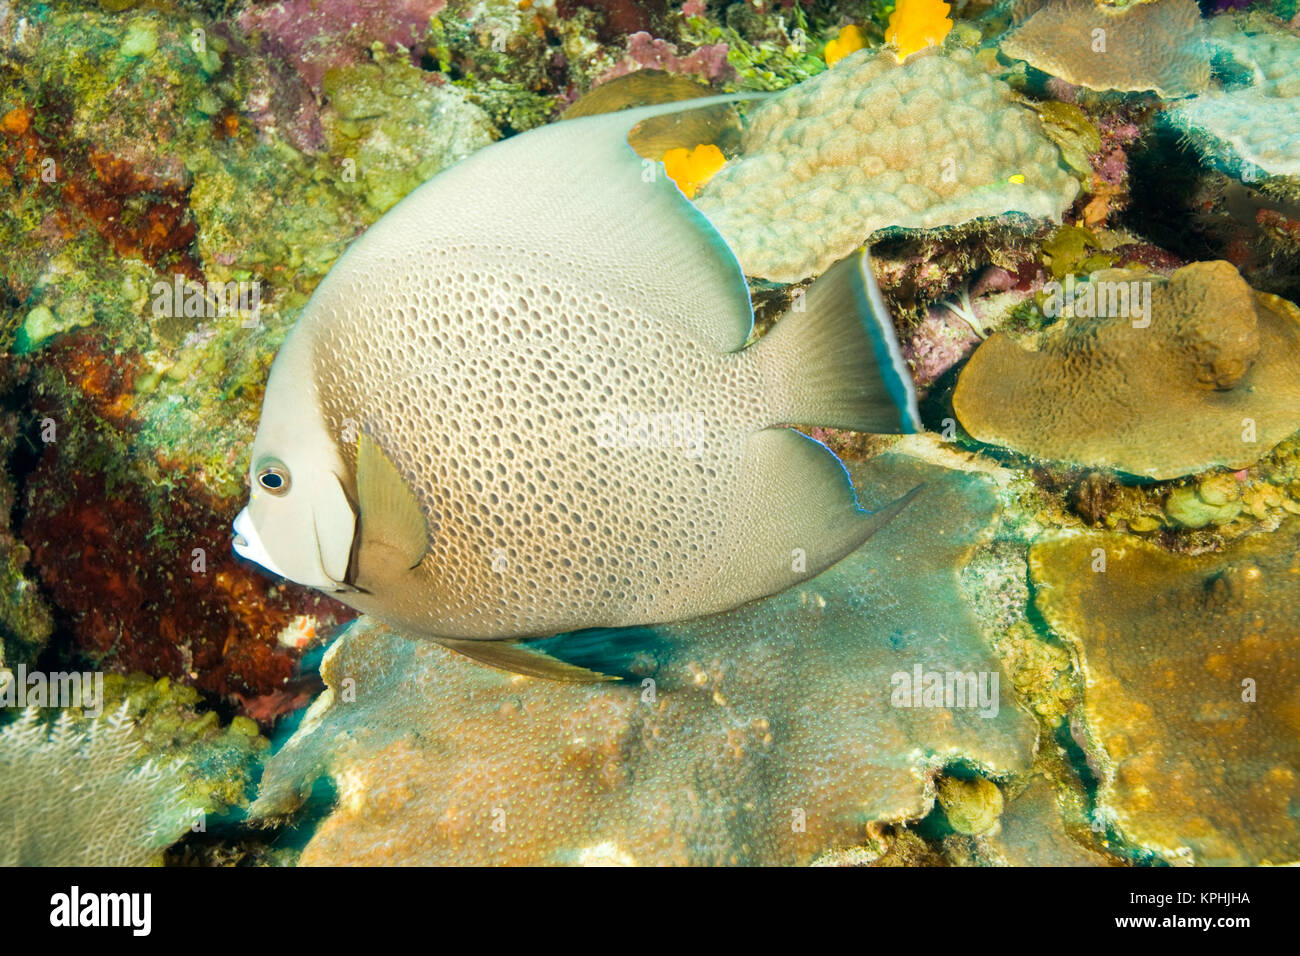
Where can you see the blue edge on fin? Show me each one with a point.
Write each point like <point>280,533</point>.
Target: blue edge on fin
<point>893,368</point>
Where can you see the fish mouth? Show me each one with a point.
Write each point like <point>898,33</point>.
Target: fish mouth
<point>248,545</point>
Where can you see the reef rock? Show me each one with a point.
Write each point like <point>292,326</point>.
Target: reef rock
<point>1211,376</point>
<point>1032,832</point>
<point>872,145</point>
<point>1143,46</point>
<point>769,734</point>
<point>1190,667</point>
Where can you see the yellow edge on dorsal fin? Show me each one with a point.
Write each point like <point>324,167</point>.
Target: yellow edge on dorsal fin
<point>639,88</point>
<point>390,513</point>
<point>690,127</point>
<point>520,659</point>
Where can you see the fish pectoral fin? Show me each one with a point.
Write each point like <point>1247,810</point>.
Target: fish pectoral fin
<point>518,658</point>
<point>390,513</point>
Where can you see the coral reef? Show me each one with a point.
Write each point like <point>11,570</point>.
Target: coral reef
<point>1211,376</point>
<point>1250,128</point>
<point>70,798</point>
<point>1143,46</point>
<point>119,788</point>
<point>1190,669</point>
<point>872,145</point>
<point>769,734</point>
<point>1146,712</point>
<point>149,149</point>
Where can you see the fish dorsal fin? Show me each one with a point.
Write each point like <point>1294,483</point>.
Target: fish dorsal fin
<point>686,128</point>
<point>390,513</point>
<point>605,225</point>
<point>644,87</point>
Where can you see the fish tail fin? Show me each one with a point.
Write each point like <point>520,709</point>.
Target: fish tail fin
<point>834,360</point>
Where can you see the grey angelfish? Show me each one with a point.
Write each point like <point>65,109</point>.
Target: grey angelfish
<point>522,404</point>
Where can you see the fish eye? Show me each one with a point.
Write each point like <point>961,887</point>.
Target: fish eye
<point>274,477</point>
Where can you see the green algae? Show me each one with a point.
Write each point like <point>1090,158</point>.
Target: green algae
<point>1188,509</point>
<point>217,765</point>
<point>1074,133</point>
<point>770,50</point>
<point>1075,250</point>
<point>393,128</point>
<point>141,39</point>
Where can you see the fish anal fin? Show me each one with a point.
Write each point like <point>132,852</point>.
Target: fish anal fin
<point>390,513</point>
<point>518,658</point>
<point>796,515</point>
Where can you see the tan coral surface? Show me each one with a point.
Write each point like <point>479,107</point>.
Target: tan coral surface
<point>1191,669</point>
<point>1213,380</point>
<point>1145,46</point>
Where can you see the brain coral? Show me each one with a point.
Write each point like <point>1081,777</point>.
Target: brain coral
<point>769,735</point>
<point>873,144</point>
<point>1213,380</point>
<point>1254,124</point>
<point>1145,46</point>
<point>1191,666</point>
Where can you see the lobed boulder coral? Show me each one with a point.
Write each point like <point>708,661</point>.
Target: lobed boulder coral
<point>873,145</point>
<point>1212,379</point>
<point>1190,667</point>
<point>1250,127</point>
<point>1143,46</point>
<point>770,734</point>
